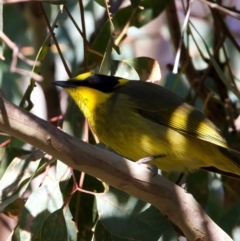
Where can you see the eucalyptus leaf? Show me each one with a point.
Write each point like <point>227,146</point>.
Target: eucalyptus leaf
<point>128,218</point>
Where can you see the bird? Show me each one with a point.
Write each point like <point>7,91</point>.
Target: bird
<point>142,120</point>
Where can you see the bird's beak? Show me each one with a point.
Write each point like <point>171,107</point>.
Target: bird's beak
<point>66,84</point>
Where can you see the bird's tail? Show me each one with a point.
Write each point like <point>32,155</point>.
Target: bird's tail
<point>233,169</point>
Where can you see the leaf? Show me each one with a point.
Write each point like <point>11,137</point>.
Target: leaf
<point>177,84</point>
<point>100,2</point>
<point>41,203</point>
<point>71,226</point>
<point>17,177</point>
<point>128,218</point>
<point>149,11</point>
<point>54,227</point>
<point>14,209</point>
<point>106,61</point>
<point>123,69</point>
<point>48,230</point>
<point>143,68</point>
<point>147,68</point>
<point>135,3</point>
<point>63,174</point>
<point>101,233</point>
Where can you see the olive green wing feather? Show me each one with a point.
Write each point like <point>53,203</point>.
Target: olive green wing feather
<point>166,108</point>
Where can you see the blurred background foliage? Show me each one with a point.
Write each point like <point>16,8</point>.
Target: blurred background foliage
<point>196,46</point>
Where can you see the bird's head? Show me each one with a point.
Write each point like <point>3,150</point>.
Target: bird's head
<point>102,83</point>
<point>89,90</point>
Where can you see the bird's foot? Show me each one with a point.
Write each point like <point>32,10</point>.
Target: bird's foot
<point>151,167</point>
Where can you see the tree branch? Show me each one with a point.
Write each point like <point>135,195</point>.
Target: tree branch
<point>120,173</point>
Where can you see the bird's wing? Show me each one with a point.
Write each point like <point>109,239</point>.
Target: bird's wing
<point>166,108</point>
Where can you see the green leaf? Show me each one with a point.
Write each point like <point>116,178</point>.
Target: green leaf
<point>143,68</point>
<point>54,227</point>
<point>101,233</point>
<point>71,226</point>
<point>41,203</point>
<point>69,231</point>
<point>177,84</point>
<point>128,218</point>
<point>63,174</point>
<point>106,61</point>
<point>135,3</point>
<point>147,68</point>
<point>150,10</point>
<point>123,69</point>
<point>100,2</point>
<point>17,177</point>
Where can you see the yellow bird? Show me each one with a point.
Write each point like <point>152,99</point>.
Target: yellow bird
<point>140,119</point>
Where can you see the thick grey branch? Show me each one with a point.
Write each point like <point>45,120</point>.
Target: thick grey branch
<point>120,173</point>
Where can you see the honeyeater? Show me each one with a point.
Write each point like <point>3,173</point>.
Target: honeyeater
<point>140,119</point>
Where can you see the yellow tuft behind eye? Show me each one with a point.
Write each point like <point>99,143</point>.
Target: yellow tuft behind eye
<point>122,82</point>
<point>81,77</point>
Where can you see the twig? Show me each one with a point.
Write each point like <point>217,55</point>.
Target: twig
<point>17,54</point>
<point>177,58</point>
<point>5,143</point>
<point>84,35</point>
<point>124,29</point>
<point>14,47</point>
<point>55,40</point>
<point>222,9</point>
<point>73,20</point>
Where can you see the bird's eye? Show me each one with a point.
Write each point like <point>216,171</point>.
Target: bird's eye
<point>93,80</point>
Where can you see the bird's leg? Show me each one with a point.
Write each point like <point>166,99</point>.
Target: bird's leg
<point>154,168</point>
<point>149,159</point>
<point>151,167</point>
